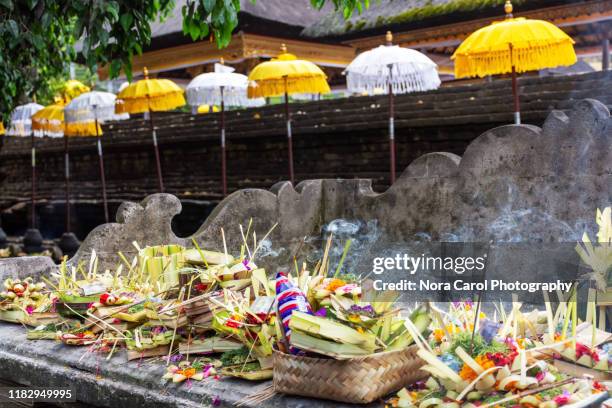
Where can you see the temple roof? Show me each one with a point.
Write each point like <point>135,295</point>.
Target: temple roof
<point>385,14</point>
<point>299,13</point>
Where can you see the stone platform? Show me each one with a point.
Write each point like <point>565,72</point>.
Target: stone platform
<point>119,384</point>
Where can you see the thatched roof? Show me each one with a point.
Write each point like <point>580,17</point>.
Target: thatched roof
<point>389,13</point>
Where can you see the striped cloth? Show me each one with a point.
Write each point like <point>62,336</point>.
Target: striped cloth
<point>289,298</point>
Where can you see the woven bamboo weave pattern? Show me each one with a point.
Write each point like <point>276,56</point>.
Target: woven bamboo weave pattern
<point>358,380</point>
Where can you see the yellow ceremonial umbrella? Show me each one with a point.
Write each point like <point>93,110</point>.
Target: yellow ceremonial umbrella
<point>286,75</point>
<point>150,95</point>
<point>73,88</point>
<point>50,121</point>
<point>513,46</point>
<point>2,130</point>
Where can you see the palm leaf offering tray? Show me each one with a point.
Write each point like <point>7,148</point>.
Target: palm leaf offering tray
<point>27,302</point>
<point>491,365</point>
<point>313,330</point>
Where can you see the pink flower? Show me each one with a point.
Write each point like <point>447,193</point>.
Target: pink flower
<point>216,401</point>
<point>30,309</point>
<point>582,350</point>
<point>562,399</point>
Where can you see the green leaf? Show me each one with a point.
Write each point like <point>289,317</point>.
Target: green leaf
<point>7,4</point>
<point>115,68</point>
<point>194,32</point>
<point>113,9</point>
<point>38,42</point>
<point>318,4</point>
<point>12,27</point>
<point>103,38</point>
<point>347,12</point>
<point>126,21</point>
<point>208,5</point>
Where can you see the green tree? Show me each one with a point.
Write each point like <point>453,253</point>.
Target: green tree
<point>37,37</point>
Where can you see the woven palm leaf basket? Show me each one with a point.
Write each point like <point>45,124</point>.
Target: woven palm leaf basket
<point>358,380</point>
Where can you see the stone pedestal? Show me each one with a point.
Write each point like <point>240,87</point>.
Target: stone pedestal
<point>69,243</point>
<point>3,238</point>
<point>32,241</point>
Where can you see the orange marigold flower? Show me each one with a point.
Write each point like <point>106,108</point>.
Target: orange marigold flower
<point>484,362</point>
<point>467,373</point>
<point>438,335</point>
<point>335,284</point>
<point>189,372</point>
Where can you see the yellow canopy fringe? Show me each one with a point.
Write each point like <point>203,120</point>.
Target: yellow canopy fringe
<point>49,128</point>
<point>82,129</point>
<point>526,44</point>
<point>150,95</point>
<point>164,102</point>
<point>49,119</point>
<point>526,59</point>
<point>268,78</point>
<point>276,86</point>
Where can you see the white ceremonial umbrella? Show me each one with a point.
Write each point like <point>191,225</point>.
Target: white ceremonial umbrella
<point>399,70</point>
<point>224,88</point>
<point>93,107</point>
<point>21,125</point>
<point>21,120</point>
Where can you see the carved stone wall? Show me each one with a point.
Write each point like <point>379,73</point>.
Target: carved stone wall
<point>343,138</point>
<point>514,183</point>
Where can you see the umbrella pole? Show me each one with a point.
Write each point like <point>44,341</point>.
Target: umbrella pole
<point>515,96</point>
<point>391,129</point>
<point>160,179</point>
<point>67,180</point>
<point>517,109</point>
<point>223,156</point>
<point>33,196</point>
<point>102,175</point>
<point>289,136</point>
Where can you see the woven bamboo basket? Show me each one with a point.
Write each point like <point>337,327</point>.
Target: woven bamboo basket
<point>359,380</point>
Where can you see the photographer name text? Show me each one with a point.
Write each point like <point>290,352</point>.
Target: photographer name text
<point>461,285</point>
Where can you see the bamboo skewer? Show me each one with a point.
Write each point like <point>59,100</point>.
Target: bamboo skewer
<point>529,392</point>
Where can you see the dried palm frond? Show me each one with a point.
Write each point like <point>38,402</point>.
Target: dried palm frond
<point>598,257</point>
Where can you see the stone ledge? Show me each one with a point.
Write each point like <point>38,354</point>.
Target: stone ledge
<point>119,384</point>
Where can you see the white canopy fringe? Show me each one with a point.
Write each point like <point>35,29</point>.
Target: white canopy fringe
<point>21,120</point>
<point>407,70</point>
<point>93,105</point>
